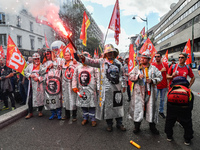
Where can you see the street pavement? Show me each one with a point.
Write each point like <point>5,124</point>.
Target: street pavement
<point>43,134</point>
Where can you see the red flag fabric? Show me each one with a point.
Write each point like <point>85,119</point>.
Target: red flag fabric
<point>46,42</point>
<point>43,20</point>
<point>137,41</point>
<point>60,51</point>
<point>95,54</point>
<point>70,49</point>
<point>187,49</point>
<point>2,54</point>
<point>131,63</point>
<point>148,46</point>
<point>142,33</point>
<point>165,58</point>
<point>14,59</point>
<point>115,22</point>
<point>85,25</point>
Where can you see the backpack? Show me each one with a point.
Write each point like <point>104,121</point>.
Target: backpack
<point>179,95</point>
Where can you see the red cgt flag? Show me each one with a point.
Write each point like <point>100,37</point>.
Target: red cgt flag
<point>131,63</point>
<point>115,22</point>
<point>46,42</point>
<point>142,33</point>
<point>14,59</point>
<point>2,54</point>
<point>187,49</point>
<point>85,25</point>
<point>148,46</point>
<point>165,58</point>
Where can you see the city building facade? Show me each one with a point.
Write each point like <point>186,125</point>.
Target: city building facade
<point>97,33</point>
<point>181,23</point>
<point>24,31</point>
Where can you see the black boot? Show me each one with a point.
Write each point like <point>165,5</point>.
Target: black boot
<point>137,127</point>
<point>153,128</point>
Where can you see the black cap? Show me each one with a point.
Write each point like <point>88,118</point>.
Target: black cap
<point>173,59</point>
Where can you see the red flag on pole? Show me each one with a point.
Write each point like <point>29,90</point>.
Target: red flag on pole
<point>187,49</point>
<point>70,49</point>
<point>14,59</point>
<point>85,25</point>
<point>137,41</point>
<point>142,33</point>
<point>165,58</point>
<point>115,22</point>
<point>46,42</point>
<point>2,54</point>
<point>148,46</point>
<point>95,54</point>
<point>131,63</point>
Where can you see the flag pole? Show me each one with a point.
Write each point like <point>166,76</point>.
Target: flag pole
<point>105,37</point>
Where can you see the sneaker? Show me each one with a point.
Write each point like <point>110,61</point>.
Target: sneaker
<point>13,108</point>
<point>162,115</point>
<point>187,142</point>
<point>94,123</point>
<point>84,122</point>
<point>5,108</point>
<point>121,127</point>
<point>109,128</point>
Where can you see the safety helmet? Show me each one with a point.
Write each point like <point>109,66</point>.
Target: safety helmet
<point>110,48</point>
<point>35,55</point>
<point>146,54</point>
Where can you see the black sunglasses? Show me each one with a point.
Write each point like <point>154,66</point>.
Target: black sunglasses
<point>157,56</point>
<point>181,57</point>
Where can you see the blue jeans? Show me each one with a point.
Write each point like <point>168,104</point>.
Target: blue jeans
<point>88,112</point>
<point>162,98</point>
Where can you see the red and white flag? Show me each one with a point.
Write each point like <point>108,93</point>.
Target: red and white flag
<point>148,46</point>
<point>165,58</point>
<point>2,54</point>
<point>131,63</point>
<point>187,49</point>
<point>46,42</point>
<point>115,22</point>
<point>137,41</point>
<point>142,33</point>
<point>14,58</point>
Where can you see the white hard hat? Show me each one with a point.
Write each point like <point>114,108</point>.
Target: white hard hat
<point>35,55</point>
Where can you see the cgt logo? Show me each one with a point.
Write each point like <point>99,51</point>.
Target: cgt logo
<point>16,60</point>
<point>131,64</point>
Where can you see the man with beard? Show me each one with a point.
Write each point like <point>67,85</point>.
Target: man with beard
<point>143,101</point>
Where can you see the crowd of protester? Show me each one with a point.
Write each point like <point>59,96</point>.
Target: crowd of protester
<point>96,85</point>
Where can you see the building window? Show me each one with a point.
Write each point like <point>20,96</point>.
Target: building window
<point>3,39</point>
<point>18,21</point>
<point>31,26</point>
<point>19,41</point>
<point>40,43</point>
<point>2,18</point>
<point>32,43</point>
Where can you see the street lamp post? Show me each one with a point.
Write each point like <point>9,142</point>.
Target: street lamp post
<point>145,20</point>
